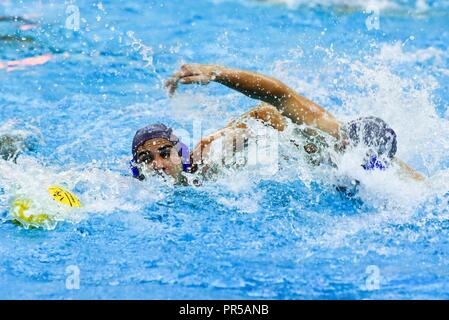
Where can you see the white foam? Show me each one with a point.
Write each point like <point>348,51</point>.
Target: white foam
<point>418,6</point>
<point>100,191</point>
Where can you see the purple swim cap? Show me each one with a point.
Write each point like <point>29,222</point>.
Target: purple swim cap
<point>153,131</point>
<point>159,130</point>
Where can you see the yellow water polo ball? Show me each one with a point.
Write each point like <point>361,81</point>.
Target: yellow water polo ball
<point>21,206</point>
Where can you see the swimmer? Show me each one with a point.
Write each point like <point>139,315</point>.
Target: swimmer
<point>156,149</point>
<point>23,210</point>
<point>12,145</point>
<point>21,64</point>
<point>14,19</point>
<point>19,40</point>
<point>22,24</point>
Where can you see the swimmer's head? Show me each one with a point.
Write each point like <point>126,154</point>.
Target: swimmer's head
<point>374,134</point>
<point>12,145</point>
<point>156,149</point>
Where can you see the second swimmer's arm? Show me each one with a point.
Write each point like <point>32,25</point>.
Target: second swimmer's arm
<point>292,105</point>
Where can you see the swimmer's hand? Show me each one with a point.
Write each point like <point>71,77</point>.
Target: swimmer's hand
<point>192,74</point>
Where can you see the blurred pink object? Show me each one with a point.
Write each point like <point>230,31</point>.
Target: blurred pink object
<point>33,15</point>
<point>21,64</point>
<point>26,27</point>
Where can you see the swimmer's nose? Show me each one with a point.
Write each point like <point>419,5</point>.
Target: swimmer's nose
<point>158,164</point>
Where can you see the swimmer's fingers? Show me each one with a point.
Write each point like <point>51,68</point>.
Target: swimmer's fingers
<point>188,74</point>
<point>188,70</point>
<point>171,86</point>
<point>200,79</point>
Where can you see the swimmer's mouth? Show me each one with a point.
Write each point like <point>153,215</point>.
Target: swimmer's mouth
<point>162,173</point>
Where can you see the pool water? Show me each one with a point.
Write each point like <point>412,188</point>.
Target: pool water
<point>246,234</point>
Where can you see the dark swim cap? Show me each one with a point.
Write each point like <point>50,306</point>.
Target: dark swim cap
<point>374,133</point>
<point>153,131</point>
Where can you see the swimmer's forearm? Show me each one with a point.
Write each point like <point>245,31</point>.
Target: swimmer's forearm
<point>254,85</point>
<point>292,105</point>
<point>409,171</point>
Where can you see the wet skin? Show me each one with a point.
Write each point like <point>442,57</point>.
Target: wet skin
<point>160,156</point>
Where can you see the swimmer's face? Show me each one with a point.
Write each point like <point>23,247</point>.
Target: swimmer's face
<point>160,156</point>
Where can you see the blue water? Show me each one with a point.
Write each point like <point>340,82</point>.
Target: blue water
<point>246,235</point>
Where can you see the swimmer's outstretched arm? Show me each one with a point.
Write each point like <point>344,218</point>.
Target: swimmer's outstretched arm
<point>257,86</point>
